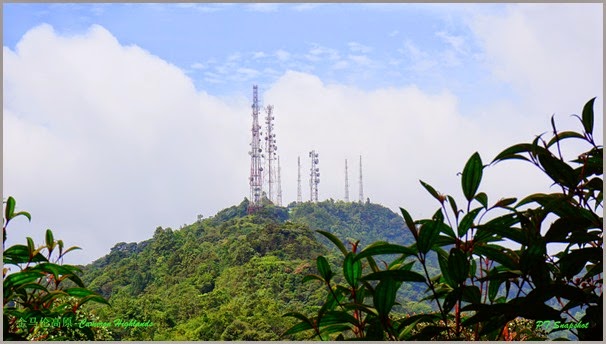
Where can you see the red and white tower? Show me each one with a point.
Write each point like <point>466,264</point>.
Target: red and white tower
<point>256,166</point>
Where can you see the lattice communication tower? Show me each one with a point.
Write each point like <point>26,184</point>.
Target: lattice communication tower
<point>279,195</point>
<point>361,185</point>
<point>256,166</point>
<point>314,176</point>
<point>271,155</point>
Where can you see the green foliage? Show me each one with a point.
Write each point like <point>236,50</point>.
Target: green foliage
<point>482,289</point>
<point>44,299</point>
<point>233,275</point>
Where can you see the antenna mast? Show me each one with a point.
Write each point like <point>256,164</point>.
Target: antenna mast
<point>299,198</point>
<point>314,176</point>
<point>279,197</point>
<point>361,186</point>
<point>256,169</point>
<point>270,149</point>
<point>346,183</point>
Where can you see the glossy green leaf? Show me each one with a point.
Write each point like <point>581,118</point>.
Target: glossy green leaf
<point>73,248</point>
<point>385,296</point>
<point>23,213</point>
<point>513,152</point>
<point>427,236</point>
<point>383,247</point>
<point>443,264</point>
<point>467,221</point>
<point>505,202</point>
<point>337,317</point>
<point>79,292</point>
<point>372,263</point>
<point>561,228</point>
<point>493,288</point>
<point>30,246</point>
<point>352,269</point>
<point>34,286</point>
<point>405,333</point>
<point>95,298</point>
<point>432,191</point>
<point>312,277</point>
<point>10,208</point>
<point>564,135</point>
<point>324,268</point>
<point>559,171</point>
<point>472,176</point>
<point>16,254</point>
<point>410,223</point>
<point>299,327</point>
<point>335,241</point>
<point>483,199</point>
<point>50,241</point>
<point>473,268</point>
<point>588,116</point>
<point>545,293</point>
<point>573,262</point>
<point>502,226</point>
<point>20,278</point>
<point>451,299</point>
<point>501,255</point>
<point>458,265</point>
<point>453,206</point>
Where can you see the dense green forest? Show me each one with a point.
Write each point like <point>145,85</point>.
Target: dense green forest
<point>233,276</point>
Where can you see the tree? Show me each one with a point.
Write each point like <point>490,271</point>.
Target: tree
<point>39,303</point>
<point>483,290</point>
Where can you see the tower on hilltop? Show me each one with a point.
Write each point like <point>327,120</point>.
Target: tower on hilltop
<point>361,185</point>
<point>299,197</point>
<point>314,176</point>
<point>256,168</point>
<point>279,195</point>
<point>271,155</point>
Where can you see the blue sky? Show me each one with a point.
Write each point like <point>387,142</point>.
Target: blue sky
<point>226,47</point>
<point>147,106</point>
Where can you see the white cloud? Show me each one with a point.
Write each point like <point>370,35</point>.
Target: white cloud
<point>340,65</point>
<point>198,65</point>
<point>247,73</point>
<point>258,55</point>
<point>420,62</point>
<point>456,42</point>
<point>550,52</point>
<point>359,47</point>
<point>282,55</point>
<point>360,59</point>
<point>102,142</point>
<point>234,57</point>
<point>403,134</point>
<point>319,53</point>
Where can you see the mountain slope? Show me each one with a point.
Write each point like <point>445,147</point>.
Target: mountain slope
<point>231,276</point>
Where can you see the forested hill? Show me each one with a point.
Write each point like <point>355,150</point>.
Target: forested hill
<point>231,276</point>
